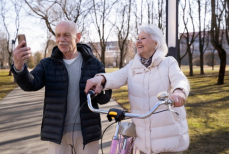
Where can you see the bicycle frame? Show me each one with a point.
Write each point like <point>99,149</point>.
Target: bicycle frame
<point>126,143</point>
<point>116,141</point>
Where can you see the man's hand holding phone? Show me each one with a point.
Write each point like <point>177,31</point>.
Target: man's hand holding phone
<point>21,53</point>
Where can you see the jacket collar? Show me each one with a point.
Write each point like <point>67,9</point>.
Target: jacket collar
<point>84,49</point>
<point>138,67</point>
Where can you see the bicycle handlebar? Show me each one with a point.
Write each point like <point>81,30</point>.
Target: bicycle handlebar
<point>131,115</point>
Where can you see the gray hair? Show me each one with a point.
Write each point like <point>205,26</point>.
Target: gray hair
<point>157,36</point>
<point>72,24</point>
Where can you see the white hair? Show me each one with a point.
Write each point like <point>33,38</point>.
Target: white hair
<point>72,24</point>
<point>157,36</point>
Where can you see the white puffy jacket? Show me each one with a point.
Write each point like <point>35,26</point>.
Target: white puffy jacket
<point>165,131</point>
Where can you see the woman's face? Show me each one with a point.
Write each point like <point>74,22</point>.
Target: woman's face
<point>145,45</point>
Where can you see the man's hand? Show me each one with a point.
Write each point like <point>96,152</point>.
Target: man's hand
<point>179,98</point>
<point>21,54</point>
<point>95,84</point>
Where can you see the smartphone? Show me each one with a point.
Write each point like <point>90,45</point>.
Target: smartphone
<point>21,37</point>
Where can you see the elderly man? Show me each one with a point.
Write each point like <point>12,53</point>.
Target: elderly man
<point>68,124</point>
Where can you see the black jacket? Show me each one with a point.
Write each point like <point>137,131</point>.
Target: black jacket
<point>52,73</point>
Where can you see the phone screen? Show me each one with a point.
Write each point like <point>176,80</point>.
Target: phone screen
<point>21,37</point>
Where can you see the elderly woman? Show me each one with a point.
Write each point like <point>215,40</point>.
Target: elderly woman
<point>149,73</point>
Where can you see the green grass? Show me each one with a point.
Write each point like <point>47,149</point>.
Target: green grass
<point>207,111</point>
<point>6,83</point>
<point>207,114</point>
<point>109,70</point>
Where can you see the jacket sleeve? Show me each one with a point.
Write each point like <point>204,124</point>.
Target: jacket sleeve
<point>30,81</point>
<point>177,77</point>
<point>105,96</point>
<point>116,79</point>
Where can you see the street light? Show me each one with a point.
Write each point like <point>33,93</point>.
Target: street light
<point>172,27</point>
<point>13,45</point>
<point>10,55</point>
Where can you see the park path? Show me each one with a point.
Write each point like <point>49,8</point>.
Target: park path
<point>20,121</point>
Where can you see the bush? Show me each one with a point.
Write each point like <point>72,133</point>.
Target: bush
<point>210,59</point>
<point>30,62</point>
<point>196,61</point>
<point>211,62</point>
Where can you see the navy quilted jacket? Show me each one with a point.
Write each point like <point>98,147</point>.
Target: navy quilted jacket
<point>52,73</point>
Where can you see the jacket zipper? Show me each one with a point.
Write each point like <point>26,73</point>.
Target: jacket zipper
<point>67,88</point>
<point>81,105</point>
<point>148,74</point>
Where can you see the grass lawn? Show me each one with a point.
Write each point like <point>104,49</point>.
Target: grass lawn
<point>6,83</point>
<point>207,111</point>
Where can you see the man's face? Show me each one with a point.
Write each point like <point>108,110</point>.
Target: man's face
<point>66,38</point>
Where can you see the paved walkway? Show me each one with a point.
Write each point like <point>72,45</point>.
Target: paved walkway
<point>20,121</point>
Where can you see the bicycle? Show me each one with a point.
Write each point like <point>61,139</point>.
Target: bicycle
<point>126,130</point>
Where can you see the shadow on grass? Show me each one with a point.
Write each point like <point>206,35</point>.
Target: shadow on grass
<point>209,103</point>
<point>216,141</point>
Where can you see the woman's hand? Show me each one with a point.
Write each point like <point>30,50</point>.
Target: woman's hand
<point>179,97</point>
<point>95,84</point>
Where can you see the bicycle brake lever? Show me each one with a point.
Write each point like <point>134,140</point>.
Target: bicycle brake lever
<point>170,109</point>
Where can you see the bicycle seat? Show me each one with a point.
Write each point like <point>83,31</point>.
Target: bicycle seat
<point>127,129</point>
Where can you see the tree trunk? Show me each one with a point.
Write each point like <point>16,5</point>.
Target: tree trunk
<point>201,63</point>
<point>103,50</point>
<point>190,62</point>
<point>213,61</point>
<point>179,58</point>
<point>47,44</point>
<point>223,57</point>
<point>121,59</point>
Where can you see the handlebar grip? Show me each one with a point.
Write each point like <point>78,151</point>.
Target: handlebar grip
<point>91,93</point>
<point>172,101</point>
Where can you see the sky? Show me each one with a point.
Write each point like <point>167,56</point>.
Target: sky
<point>34,29</point>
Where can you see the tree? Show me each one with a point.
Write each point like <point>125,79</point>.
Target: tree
<point>150,13</point>
<point>217,35</point>
<point>4,13</point>
<point>37,57</point>
<point>101,14</point>
<point>52,12</point>
<point>189,38</point>
<point>3,49</point>
<point>123,29</point>
<point>138,18</point>
<point>47,43</point>
<point>227,20</point>
<point>155,12</point>
<point>210,59</point>
<point>161,12</point>
<point>202,34</point>
<point>30,62</point>
<point>51,45</point>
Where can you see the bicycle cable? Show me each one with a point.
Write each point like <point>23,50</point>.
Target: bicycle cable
<point>101,143</point>
<point>161,111</point>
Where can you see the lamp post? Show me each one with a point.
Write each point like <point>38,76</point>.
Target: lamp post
<point>13,44</point>
<point>10,56</point>
<point>172,27</point>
